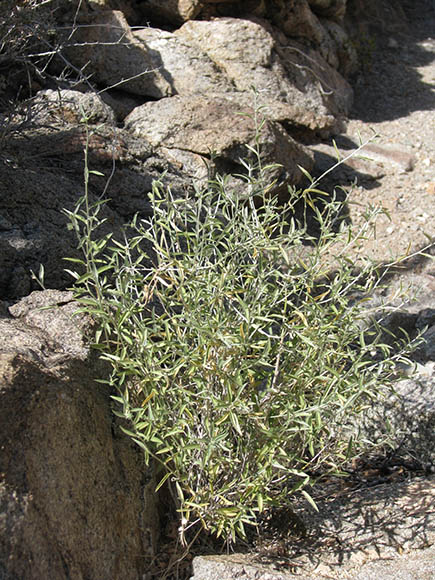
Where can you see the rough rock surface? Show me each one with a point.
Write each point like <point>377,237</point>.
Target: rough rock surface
<point>295,84</point>
<point>213,126</point>
<point>70,107</point>
<point>222,55</point>
<point>76,499</point>
<point>173,11</point>
<point>118,58</point>
<point>188,69</point>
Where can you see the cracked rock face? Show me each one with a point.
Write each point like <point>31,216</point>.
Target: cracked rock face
<point>44,177</point>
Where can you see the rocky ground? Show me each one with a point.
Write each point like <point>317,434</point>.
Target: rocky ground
<point>395,101</point>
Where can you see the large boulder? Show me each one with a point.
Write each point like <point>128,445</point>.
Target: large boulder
<point>225,55</point>
<point>215,130</point>
<point>303,20</point>
<point>77,500</point>
<point>338,48</point>
<point>70,107</point>
<point>108,53</point>
<point>320,29</point>
<point>188,68</point>
<point>297,20</point>
<point>294,82</point>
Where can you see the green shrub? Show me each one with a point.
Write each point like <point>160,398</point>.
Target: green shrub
<point>239,353</point>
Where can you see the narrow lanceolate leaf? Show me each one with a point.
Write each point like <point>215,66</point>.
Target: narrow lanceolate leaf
<point>148,399</point>
<point>163,481</point>
<point>305,172</point>
<point>309,499</point>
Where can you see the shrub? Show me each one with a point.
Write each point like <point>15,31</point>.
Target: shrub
<point>239,354</point>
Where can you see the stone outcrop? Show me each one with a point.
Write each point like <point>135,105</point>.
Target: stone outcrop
<point>226,55</point>
<point>296,85</point>
<point>118,58</point>
<point>76,499</point>
<point>188,69</point>
<point>201,127</point>
<point>174,11</point>
<point>68,107</point>
<point>157,66</point>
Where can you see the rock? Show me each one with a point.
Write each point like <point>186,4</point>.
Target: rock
<point>35,189</point>
<point>232,568</point>
<point>369,163</point>
<point>397,156</point>
<point>214,127</point>
<point>76,499</point>
<point>334,9</point>
<point>188,69</point>
<point>320,28</point>
<point>428,347</point>
<point>226,55</point>
<point>338,48</point>
<point>173,11</point>
<point>52,312</point>
<point>129,9</point>
<point>296,20</point>
<point>199,168</point>
<point>105,48</point>
<point>356,169</point>
<point>233,8</point>
<point>322,83</point>
<point>426,318</point>
<point>410,411</point>
<point>68,107</point>
<point>294,83</point>
<point>120,102</point>
<point>33,202</point>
